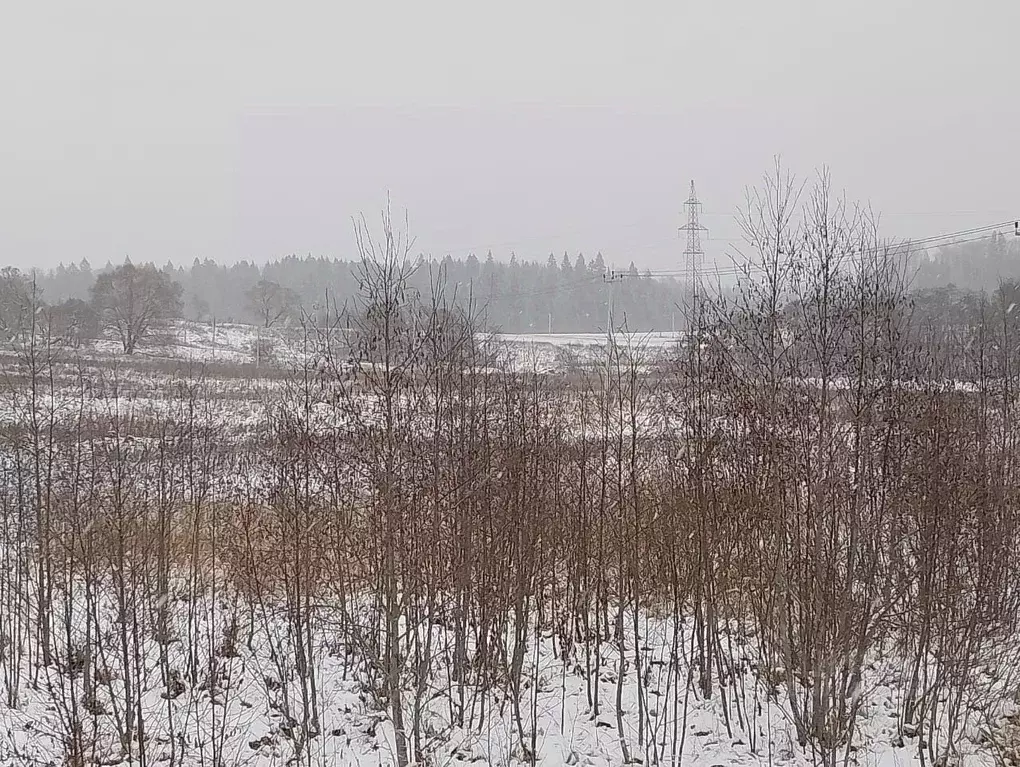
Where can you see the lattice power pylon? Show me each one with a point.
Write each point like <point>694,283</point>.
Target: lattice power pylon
<point>693,253</point>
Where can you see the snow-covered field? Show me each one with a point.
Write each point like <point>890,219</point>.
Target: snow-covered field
<point>226,344</point>
<point>222,343</point>
<point>237,344</point>
<point>551,352</point>
<point>651,340</point>
<point>227,374</point>
<point>222,684</point>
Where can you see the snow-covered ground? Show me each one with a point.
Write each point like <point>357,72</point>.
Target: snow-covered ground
<point>651,340</point>
<point>222,343</point>
<point>233,371</point>
<point>287,346</point>
<point>550,352</point>
<point>242,701</point>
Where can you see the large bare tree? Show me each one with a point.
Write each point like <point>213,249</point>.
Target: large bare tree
<point>134,300</point>
<point>270,301</point>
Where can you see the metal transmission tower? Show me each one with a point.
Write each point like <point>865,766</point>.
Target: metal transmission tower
<point>693,252</point>
<point>610,278</point>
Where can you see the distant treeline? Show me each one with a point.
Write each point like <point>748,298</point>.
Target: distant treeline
<point>565,294</point>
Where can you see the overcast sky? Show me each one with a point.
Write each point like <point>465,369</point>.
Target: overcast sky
<point>232,129</point>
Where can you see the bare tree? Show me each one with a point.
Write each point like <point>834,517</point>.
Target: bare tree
<point>72,322</point>
<point>17,299</point>
<point>270,301</point>
<point>133,300</point>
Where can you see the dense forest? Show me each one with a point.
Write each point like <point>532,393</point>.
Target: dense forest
<point>567,294</point>
<point>564,295</point>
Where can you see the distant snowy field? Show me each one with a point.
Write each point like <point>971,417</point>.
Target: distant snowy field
<point>237,371</point>
<point>226,343</point>
<point>283,348</point>
<point>238,344</point>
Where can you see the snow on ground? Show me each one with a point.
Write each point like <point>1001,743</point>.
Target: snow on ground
<point>550,352</point>
<point>650,339</point>
<point>240,702</point>
<point>236,344</point>
<point>225,343</point>
<point>285,347</point>
<point>219,366</point>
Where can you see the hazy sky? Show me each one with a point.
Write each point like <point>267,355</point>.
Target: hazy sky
<point>231,129</point>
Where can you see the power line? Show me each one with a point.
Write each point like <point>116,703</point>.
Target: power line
<point>959,233</point>
<point>483,248</point>
<point>960,237</point>
<point>949,239</point>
